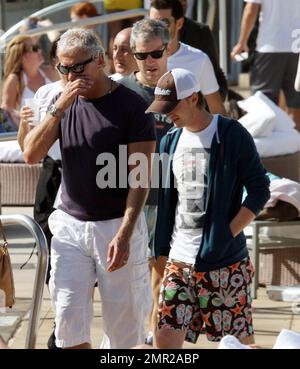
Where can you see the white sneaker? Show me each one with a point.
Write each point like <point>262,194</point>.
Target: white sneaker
<point>149,339</point>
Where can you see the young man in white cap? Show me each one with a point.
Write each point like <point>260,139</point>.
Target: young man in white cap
<point>208,160</point>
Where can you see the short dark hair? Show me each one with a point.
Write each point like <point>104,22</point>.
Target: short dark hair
<point>174,5</point>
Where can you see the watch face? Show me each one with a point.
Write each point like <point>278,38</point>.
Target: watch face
<point>55,112</point>
<point>52,109</point>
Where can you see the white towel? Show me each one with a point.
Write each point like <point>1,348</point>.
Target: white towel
<point>232,343</point>
<point>287,340</point>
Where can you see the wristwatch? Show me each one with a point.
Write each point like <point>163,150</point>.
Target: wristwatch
<point>55,112</point>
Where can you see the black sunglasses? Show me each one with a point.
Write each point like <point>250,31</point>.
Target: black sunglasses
<point>156,54</point>
<point>33,48</point>
<point>75,68</point>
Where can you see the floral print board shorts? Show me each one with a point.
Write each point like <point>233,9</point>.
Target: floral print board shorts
<point>220,300</point>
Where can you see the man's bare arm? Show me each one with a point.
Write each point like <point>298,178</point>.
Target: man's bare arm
<point>37,142</point>
<point>241,220</point>
<point>248,20</point>
<point>215,103</point>
<point>118,251</point>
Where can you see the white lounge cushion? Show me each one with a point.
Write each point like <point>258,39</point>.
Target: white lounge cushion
<point>260,118</point>
<point>10,152</point>
<point>281,121</point>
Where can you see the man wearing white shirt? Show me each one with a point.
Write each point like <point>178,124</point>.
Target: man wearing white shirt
<point>275,64</point>
<point>123,59</point>
<point>185,56</point>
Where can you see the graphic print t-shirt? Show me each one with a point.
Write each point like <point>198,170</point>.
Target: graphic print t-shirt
<point>190,168</point>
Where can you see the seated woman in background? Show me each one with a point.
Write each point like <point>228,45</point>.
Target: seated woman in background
<point>23,75</point>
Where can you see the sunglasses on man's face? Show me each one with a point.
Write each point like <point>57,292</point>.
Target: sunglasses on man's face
<point>33,48</point>
<point>156,54</point>
<point>75,68</point>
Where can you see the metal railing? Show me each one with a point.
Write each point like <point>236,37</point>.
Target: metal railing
<point>8,136</point>
<point>101,19</point>
<point>42,13</point>
<point>40,275</point>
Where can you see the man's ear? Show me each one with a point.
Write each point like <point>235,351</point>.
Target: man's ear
<point>101,60</point>
<point>179,23</point>
<point>168,50</point>
<point>195,98</point>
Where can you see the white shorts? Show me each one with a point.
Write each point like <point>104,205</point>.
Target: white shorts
<point>78,259</point>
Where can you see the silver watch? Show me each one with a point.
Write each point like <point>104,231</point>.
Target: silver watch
<point>55,112</point>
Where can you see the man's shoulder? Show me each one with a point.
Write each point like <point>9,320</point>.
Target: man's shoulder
<point>130,95</point>
<point>129,81</point>
<point>232,129</point>
<point>192,25</point>
<point>192,52</point>
<point>133,84</point>
<point>168,139</point>
<point>116,77</point>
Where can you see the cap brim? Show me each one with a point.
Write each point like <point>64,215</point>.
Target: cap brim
<point>163,107</point>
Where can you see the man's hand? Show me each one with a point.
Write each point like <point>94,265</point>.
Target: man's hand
<point>72,89</point>
<point>118,252</point>
<point>26,113</point>
<point>238,48</point>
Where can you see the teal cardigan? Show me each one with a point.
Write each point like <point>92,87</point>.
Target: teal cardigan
<point>234,163</point>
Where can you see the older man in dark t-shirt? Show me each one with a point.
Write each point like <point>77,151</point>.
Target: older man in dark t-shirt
<point>98,232</point>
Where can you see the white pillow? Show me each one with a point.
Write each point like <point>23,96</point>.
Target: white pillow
<point>10,152</point>
<point>282,122</point>
<point>287,340</point>
<point>259,120</point>
<point>278,143</point>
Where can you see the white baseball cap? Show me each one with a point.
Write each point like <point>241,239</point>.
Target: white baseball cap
<point>172,87</point>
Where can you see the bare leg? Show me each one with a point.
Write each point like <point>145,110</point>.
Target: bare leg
<point>158,268</point>
<point>282,101</point>
<point>295,115</point>
<point>167,338</point>
<point>3,345</point>
<point>249,340</point>
<point>85,346</point>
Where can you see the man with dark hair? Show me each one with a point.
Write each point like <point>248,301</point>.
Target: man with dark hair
<point>199,35</point>
<point>182,55</point>
<point>208,160</point>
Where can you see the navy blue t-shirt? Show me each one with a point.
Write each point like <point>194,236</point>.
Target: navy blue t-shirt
<point>92,127</point>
